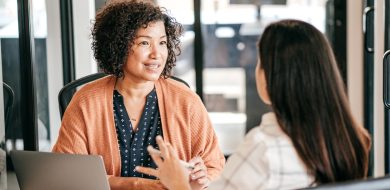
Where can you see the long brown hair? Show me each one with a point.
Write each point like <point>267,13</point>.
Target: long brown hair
<point>308,97</point>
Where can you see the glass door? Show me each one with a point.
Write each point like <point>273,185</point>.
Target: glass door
<point>230,30</point>
<point>25,64</point>
<point>9,38</point>
<point>8,14</point>
<point>17,62</point>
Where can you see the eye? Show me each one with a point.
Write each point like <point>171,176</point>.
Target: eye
<point>144,43</point>
<point>163,43</point>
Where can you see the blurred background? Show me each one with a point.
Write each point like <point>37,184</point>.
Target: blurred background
<point>45,44</point>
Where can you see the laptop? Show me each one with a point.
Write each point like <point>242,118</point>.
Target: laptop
<point>57,171</point>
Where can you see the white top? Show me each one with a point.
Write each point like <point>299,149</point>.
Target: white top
<point>265,160</point>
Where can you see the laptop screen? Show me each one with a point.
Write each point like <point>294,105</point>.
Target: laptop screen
<point>48,171</point>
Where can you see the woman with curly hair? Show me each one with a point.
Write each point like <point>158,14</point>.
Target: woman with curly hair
<point>118,116</point>
<point>310,138</point>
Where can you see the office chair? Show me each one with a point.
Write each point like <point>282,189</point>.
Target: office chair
<point>371,183</point>
<point>8,102</point>
<point>180,80</point>
<point>9,96</point>
<point>68,90</point>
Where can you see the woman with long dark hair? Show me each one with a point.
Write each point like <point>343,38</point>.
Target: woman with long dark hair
<point>310,138</point>
<point>309,100</point>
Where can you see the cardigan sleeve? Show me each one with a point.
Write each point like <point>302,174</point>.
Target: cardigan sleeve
<point>187,126</point>
<point>205,142</point>
<point>72,136</point>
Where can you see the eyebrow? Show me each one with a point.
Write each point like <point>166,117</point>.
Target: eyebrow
<point>141,36</point>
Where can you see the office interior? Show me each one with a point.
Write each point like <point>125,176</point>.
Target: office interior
<point>45,44</point>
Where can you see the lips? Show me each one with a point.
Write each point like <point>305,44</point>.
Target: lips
<point>152,66</point>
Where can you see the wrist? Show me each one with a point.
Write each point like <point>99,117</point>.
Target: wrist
<point>123,183</point>
<point>181,185</point>
<point>136,183</point>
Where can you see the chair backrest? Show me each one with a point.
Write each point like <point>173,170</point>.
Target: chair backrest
<point>372,184</point>
<point>8,102</point>
<point>180,80</point>
<point>68,90</point>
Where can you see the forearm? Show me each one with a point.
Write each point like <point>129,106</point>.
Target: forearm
<point>183,185</point>
<point>134,183</point>
<point>121,183</point>
<point>205,143</point>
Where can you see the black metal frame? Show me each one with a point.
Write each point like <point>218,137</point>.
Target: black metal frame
<point>198,49</point>
<point>26,54</point>
<point>368,70</point>
<point>339,36</point>
<point>67,41</point>
<point>386,101</point>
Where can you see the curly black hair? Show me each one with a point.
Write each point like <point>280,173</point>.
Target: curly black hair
<point>115,29</point>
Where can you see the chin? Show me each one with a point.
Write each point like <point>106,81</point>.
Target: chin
<point>153,77</point>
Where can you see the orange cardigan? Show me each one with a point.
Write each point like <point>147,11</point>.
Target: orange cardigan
<point>88,125</point>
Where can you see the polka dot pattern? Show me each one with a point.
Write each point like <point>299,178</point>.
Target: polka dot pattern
<point>133,143</point>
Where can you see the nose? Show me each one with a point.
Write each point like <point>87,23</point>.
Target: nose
<point>156,51</point>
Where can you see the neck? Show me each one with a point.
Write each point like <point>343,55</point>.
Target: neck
<point>132,89</point>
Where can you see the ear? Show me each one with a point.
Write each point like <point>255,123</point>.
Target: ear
<point>261,84</point>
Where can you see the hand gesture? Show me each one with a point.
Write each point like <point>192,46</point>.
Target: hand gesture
<point>171,173</point>
<point>198,176</point>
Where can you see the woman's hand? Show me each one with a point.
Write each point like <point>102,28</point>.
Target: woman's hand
<point>198,176</point>
<point>169,170</point>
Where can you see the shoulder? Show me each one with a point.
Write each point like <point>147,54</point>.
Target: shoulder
<point>248,167</point>
<point>268,130</point>
<point>265,137</point>
<point>99,84</point>
<point>255,141</point>
<point>177,91</point>
<point>95,89</point>
<point>174,84</point>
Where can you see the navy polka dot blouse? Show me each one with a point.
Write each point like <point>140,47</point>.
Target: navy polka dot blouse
<point>133,143</point>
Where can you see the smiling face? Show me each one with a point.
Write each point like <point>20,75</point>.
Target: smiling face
<point>148,54</point>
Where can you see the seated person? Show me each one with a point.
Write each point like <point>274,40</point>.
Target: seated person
<point>310,138</point>
<point>118,116</point>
